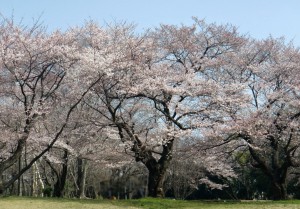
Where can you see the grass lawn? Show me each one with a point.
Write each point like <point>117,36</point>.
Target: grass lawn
<point>149,203</point>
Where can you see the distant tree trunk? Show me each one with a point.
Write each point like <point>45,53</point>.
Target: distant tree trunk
<point>37,182</point>
<point>59,186</point>
<point>1,184</point>
<point>81,176</point>
<point>14,158</point>
<point>34,185</point>
<point>20,178</point>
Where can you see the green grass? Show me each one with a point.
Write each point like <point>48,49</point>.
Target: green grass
<point>146,203</point>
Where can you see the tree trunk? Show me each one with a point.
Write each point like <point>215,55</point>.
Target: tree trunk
<point>1,184</point>
<point>61,178</point>
<point>157,170</point>
<point>37,182</point>
<point>14,158</point>
<point>20,178</point>
<point>81,175</point>
<point>34,185</point>
<point>279,190</point>
<point>155,182</point>
<point>274,167</point>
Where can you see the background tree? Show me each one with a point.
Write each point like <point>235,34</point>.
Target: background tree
<point>268,125</point>
<point>33,66</point>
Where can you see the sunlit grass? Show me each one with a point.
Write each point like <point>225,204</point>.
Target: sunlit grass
<point>149,203</point>
<point>52,203</point>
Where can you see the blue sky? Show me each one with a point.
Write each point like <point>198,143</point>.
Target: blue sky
<point>258,18</point>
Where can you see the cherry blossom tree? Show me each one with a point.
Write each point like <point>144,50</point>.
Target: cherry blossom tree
<point>268,124</point>
<point>34,68</point>
<point>185,83</point>
<point>165,85</point>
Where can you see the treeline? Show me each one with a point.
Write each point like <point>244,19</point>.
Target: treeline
<point>186,112</point>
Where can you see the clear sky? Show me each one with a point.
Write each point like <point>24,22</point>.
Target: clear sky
<point>258,18</point>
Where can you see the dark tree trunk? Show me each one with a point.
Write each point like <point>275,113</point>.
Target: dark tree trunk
<point>1,184</point>
<point>274,167</point>
<point>59,186</point>
<point>13,159</point>
<point>155,180</point>
<point>157,170</point>
<point>20,178</point>
<point>279,190</point>
<point>81,175</point>
<point>156,167</point>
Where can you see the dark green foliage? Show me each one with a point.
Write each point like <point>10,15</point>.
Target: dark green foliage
<point>47,191</point>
